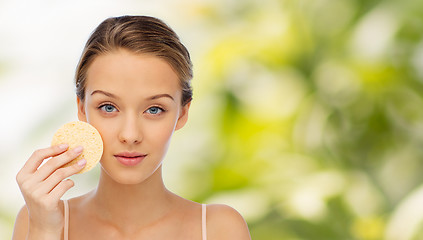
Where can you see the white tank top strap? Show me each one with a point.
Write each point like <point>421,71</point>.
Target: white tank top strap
<point>66,220</point>
<point>203,221</point>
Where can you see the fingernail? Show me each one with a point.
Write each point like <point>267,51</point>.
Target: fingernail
<point>78,149</point>
<point>82,162</point>
<point>63,146</point>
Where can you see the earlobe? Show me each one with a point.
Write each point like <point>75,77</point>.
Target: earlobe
<point>183,116</point>
<point>81,110</point>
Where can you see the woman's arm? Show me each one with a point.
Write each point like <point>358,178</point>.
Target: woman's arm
<point>42,186</point>
<point>225,223</point>
<point>21,229</point>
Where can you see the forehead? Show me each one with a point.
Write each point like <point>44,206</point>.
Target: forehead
<point>128,73</point>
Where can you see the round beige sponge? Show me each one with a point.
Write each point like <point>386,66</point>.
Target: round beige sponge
<point>83,134</point>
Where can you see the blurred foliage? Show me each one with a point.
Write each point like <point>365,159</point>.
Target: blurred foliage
<point>316,117</point>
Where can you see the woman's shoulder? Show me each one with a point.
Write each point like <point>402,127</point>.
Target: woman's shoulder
<point>20,229</point>
<point>224,222</point>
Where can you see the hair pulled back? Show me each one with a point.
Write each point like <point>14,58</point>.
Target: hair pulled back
<point>140,35</point>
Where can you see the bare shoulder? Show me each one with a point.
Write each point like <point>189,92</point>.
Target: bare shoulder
<point>20,230</point>
<point>224,222</point>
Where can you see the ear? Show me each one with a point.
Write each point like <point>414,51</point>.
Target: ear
<point>183,116</point>
<point>82,116</point>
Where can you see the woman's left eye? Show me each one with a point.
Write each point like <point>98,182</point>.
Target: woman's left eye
<point>155,110</point>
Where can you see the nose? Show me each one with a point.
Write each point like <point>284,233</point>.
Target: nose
<point>130,132</point>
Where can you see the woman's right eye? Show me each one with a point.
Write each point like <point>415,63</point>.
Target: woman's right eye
<point>108,108</point>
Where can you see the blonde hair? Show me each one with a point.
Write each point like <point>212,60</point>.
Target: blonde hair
<point>140,35</point>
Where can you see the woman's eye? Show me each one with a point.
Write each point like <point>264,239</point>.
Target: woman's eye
<point>108,108</point>
<point>154,110</point>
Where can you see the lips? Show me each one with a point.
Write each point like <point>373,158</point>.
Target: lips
<point>130,158</point>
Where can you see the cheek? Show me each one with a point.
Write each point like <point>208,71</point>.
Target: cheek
<point>159,133</point>
<point>106,132</point>
<point>105,128</point>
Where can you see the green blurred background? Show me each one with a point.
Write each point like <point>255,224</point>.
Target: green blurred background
<point>306,116</point>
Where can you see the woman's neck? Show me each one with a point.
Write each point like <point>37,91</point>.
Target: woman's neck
<point>129,207</point>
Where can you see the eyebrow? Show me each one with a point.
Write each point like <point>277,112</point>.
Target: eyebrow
<point>149,98</point>
<point>161,96</point>
<point>105,93</point>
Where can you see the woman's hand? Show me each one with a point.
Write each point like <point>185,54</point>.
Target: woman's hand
<point>43,186</point>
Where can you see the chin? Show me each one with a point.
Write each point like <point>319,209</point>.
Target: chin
<point>129,181</point>
<point>130,176</point>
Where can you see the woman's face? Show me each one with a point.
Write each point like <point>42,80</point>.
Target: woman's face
<point>134,101</point>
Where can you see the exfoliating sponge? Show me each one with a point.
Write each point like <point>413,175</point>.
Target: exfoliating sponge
<point>79,133</point>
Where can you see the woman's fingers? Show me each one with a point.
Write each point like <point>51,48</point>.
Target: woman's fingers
<point>32,178</point>
<point>55,163</point>
<point>61,188</point>
<point>39,156</point>
<point>57,177</point>
<point>25,177</point>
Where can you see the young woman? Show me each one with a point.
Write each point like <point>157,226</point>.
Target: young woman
<point>133,86</point>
